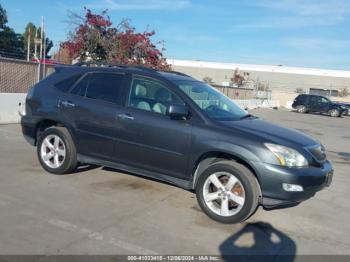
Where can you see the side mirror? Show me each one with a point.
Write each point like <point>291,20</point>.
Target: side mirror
<point>178,112</point>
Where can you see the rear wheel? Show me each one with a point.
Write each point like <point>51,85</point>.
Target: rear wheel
<point>334,112</point>
<point>56,151</point>
<point>228,192</point>
<point>301,109</point>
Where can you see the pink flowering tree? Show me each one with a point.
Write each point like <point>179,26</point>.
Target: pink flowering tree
<point>94,37</point>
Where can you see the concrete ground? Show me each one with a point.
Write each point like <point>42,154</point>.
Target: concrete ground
<point>101,211</point>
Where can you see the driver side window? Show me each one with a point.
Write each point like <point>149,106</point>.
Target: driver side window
<point>151,95</point>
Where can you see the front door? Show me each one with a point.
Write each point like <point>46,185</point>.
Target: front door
<point>319,104</point>
<point>148,138</point>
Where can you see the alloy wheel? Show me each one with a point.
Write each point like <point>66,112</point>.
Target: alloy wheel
<point>224,194</point>
<point>53,151</point>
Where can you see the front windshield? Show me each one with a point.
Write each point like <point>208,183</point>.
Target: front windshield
<point>216,105</point>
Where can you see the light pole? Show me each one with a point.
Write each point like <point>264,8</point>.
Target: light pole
<point>28,44</point>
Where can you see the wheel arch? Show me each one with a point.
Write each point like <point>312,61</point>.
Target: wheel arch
<point>211,157</point>
<point>45,123</point>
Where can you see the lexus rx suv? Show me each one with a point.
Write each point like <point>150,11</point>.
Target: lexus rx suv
<point>171,127</point>
<point>320,104</point>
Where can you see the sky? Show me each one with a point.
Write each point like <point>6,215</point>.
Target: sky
<point>303,33</point>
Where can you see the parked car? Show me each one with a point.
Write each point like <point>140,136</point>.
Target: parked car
<point>169,126</point>
<point>344,104</point>
<point>314,103</point>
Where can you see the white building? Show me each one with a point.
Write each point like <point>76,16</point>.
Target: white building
<point>277,77</point>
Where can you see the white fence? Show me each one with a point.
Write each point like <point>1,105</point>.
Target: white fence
<point>10,107</point>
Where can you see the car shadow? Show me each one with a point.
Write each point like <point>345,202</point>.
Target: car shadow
<point>318,114</point>
<point>258,242</point>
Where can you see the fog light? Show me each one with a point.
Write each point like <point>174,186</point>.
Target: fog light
<point>292,188</point>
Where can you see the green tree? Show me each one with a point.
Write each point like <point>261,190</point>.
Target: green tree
<point>3,17</point>
<point>32,29</point>
<point>11,44</point>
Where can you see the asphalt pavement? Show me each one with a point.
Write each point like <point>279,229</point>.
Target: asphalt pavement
<point>101,211</point>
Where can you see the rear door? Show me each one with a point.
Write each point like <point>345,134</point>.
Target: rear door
<point>313,103</point>
<point>148,138</point>
<point>90,108</point>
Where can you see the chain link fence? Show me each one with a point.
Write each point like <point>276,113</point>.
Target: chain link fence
<point>17,76</point>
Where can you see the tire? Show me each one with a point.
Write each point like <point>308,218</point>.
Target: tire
<point>57,157</point>
<point>301,109</point>
<point>246,187</point>
<point>334,112</point>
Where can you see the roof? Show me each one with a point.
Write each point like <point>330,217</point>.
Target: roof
<point>261,68</point>
<point>171,75</point>
<point>175,76</point>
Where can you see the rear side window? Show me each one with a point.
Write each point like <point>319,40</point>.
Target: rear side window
<point>105,86</point>
<point>67,83</point>
<point>301,98</point>
<point>80,88</point>
<point>100,86</point>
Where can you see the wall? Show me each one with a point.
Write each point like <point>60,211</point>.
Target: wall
<point>236,93</point>
<point>276,77</point>
<point>16,77</point>
<point>9,107</point>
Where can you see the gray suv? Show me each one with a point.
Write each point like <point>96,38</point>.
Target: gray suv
<point>169,126</point>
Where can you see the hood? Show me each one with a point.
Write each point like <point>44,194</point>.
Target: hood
<point>342,105</point>
<point>271,133</point>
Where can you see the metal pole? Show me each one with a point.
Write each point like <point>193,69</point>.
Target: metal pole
<point>28,44</point>
<point>44,66</point>
<point>41,45</point>
<point>35,43</point>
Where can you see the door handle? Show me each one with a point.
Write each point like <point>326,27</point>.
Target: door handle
<point>67,104</point>
<point>125,117</point>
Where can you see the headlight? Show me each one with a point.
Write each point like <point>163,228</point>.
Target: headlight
<point>287,156</point>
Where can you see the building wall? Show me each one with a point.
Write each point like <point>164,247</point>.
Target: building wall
<point>276,77</point>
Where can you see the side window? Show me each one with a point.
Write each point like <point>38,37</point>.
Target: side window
<point>324,100</point>
<point>67,83</point>
<point>80,88</point>
<point>105,86</point>
<point>313,99</point>
<point>151,95</point>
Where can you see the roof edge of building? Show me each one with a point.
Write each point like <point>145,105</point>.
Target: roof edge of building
<point>261,68</point>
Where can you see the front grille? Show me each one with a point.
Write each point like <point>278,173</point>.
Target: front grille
<point>318,152</point>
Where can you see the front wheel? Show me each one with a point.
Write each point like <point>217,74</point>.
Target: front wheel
<point>334,113</point>
<point>228,192</point>
<point>56,151</point>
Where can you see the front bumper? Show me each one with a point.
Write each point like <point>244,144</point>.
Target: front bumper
<point>271,178</point>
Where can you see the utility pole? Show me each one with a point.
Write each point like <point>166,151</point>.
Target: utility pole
<point>41,47</point>
<point>44,66</point>
<point>28,44</point>
<point>36,44</point>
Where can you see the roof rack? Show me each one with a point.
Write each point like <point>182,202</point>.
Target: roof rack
<point>140,67</point>
<point>105,64</point>
<point>177,73</point>
<point>95,64</point>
